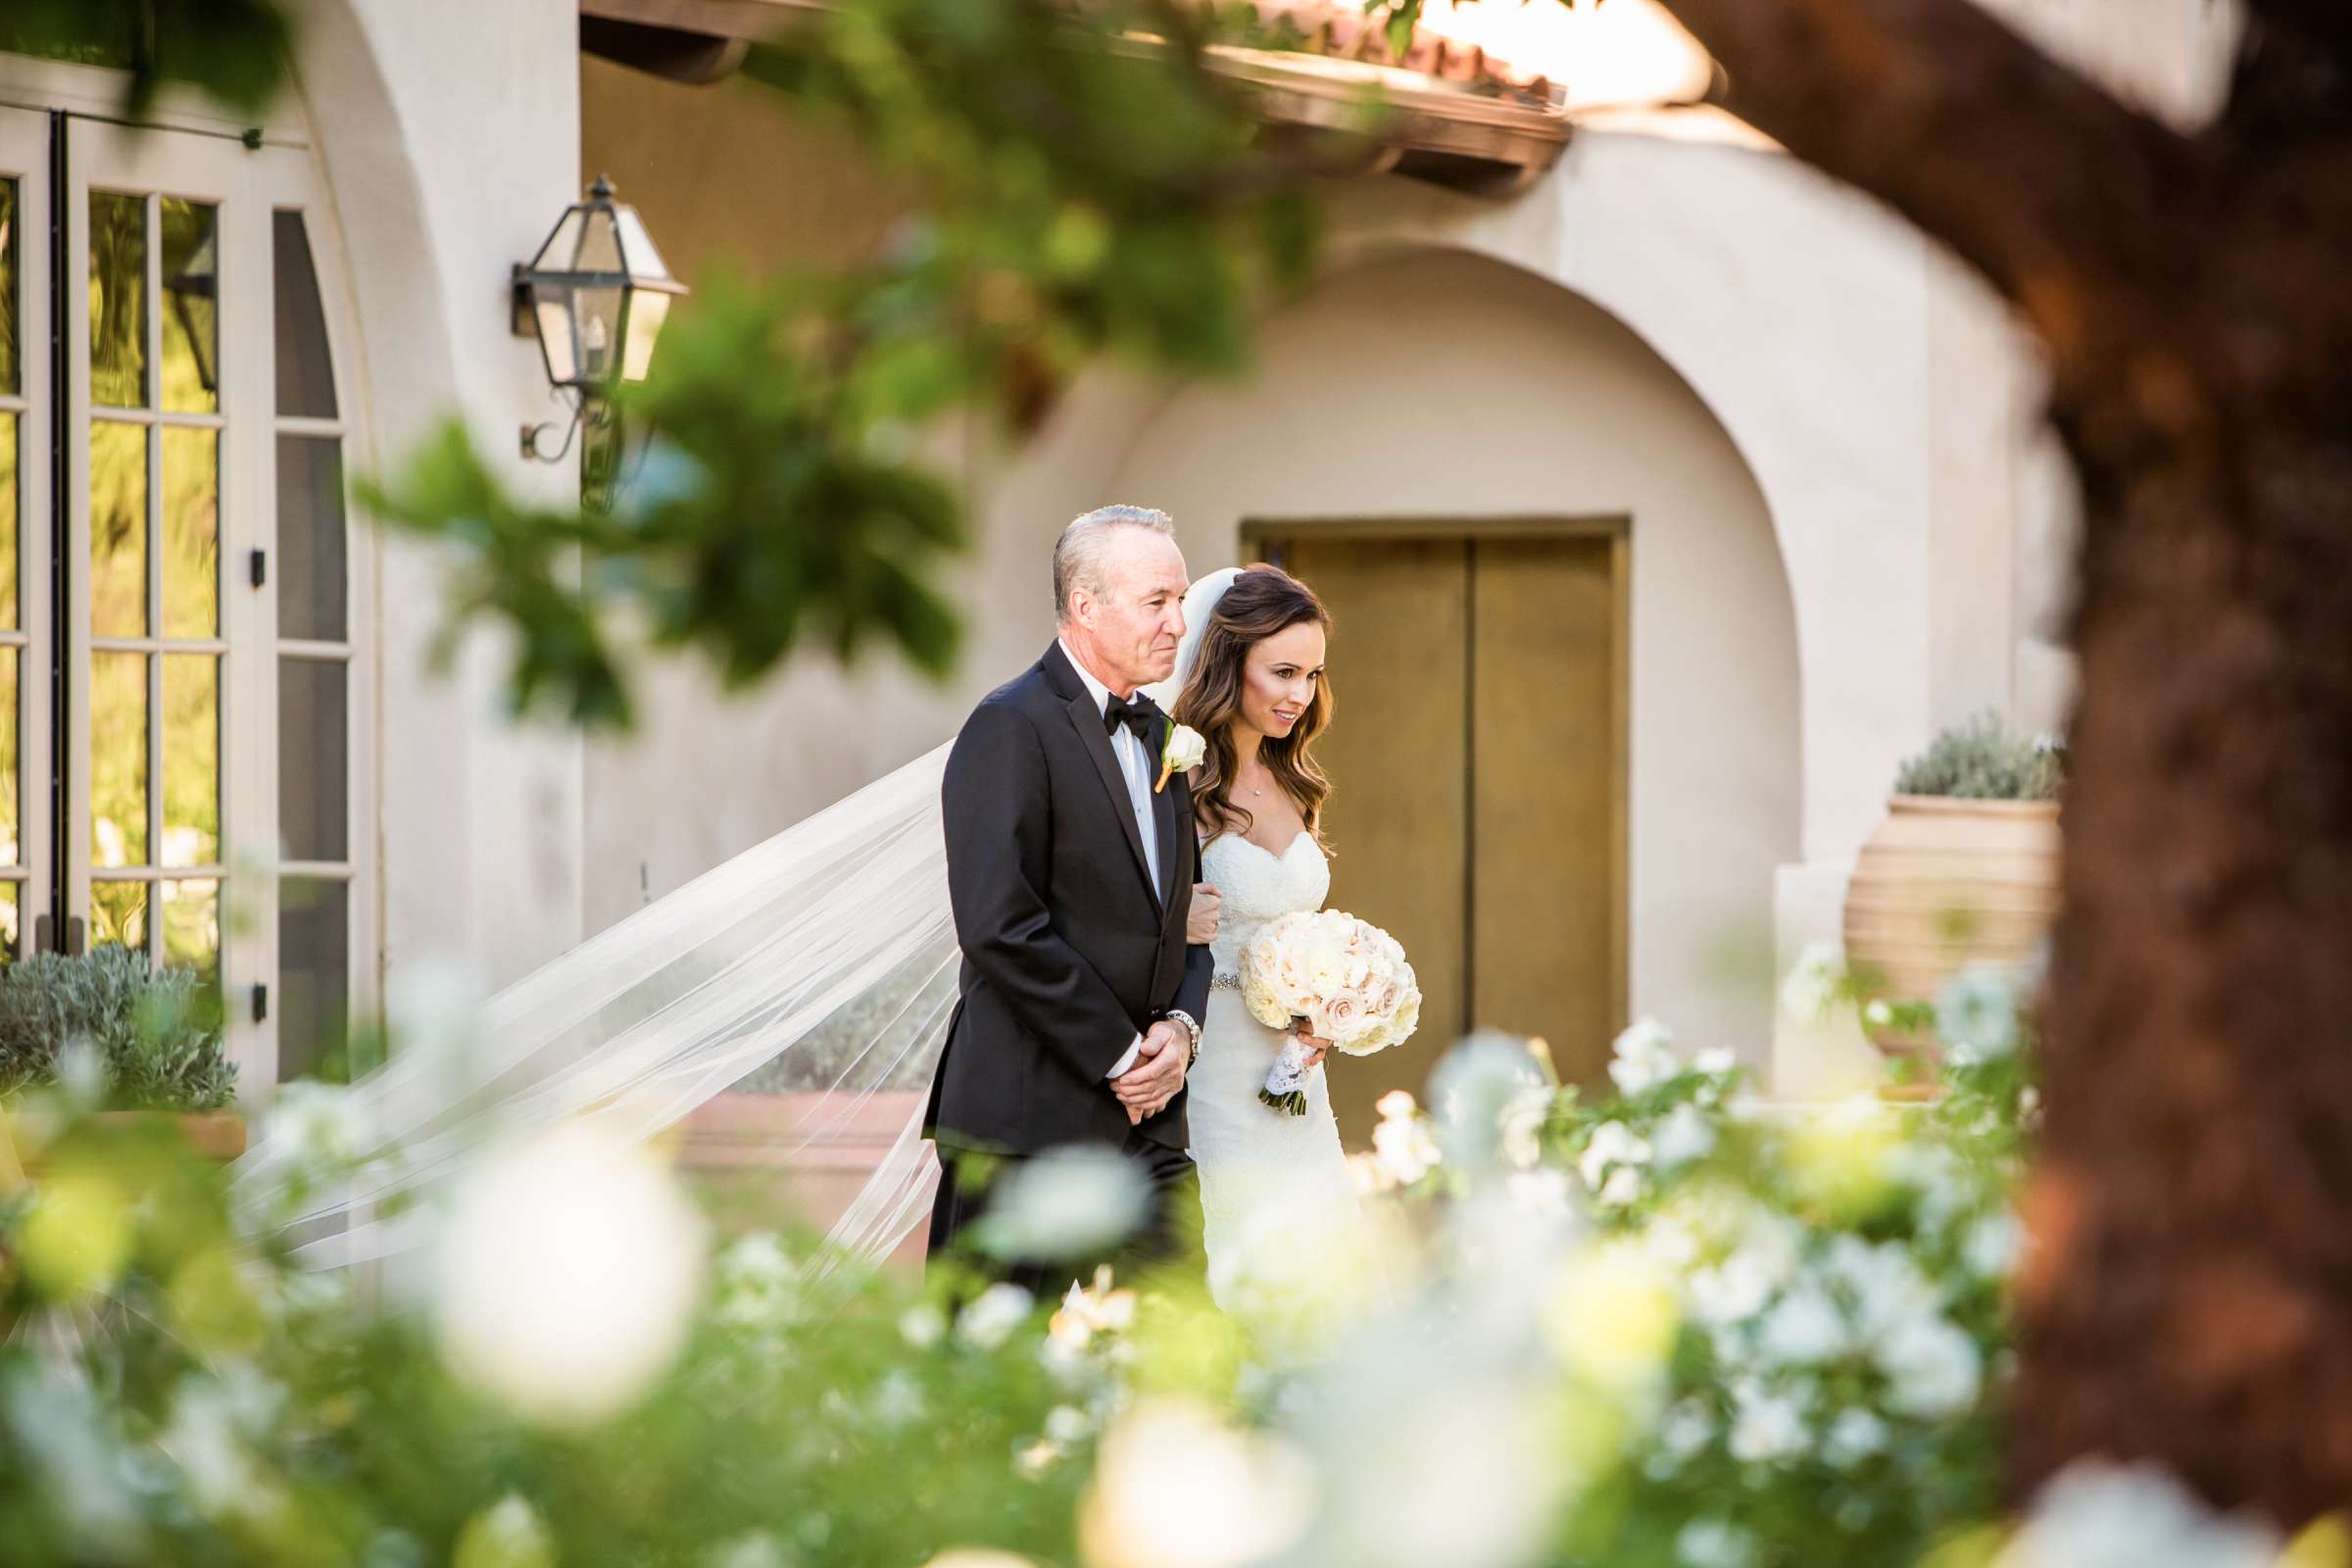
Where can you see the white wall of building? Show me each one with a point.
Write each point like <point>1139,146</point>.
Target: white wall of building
<point>449,133</point>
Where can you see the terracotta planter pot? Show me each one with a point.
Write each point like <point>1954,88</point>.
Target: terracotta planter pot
<point>213,1134</point>
<point>1944,884</point>
<point>767,1158</point>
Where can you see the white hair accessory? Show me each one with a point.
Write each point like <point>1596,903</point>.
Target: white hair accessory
<point>1199,603</point>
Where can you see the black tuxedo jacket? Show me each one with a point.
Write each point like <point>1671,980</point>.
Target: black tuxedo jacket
<point>1068,950</point>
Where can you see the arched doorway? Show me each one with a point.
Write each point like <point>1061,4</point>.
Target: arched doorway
<point>1568,749</point>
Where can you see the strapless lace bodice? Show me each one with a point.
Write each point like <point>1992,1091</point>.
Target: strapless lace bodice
<point>1256,886</point>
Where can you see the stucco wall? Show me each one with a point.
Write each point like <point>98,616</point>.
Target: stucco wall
<point>446,165</point>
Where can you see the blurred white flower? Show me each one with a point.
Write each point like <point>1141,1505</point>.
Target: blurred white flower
<point>990,1318</point>
<point>1736,1289</point>
<point>2100,1515</point>
<point>758,1285</point>
<point>1885,1286</point>
<point>1067,1202</point>
<point>1612,1144</point>
<point>1669,1242</point>
<point>1642,1057</point>
<point>1941,1180</point>
<point>509,1534</point>
<point>203,1439</point>
<point>1367,1175</point>
<point>1933,1369</point>
<point>1855,1435</point>
<point>1545,1191</point>
<point>1523,1121</point>
<point>1878,1013</point>
<point>1436,1469</point>
<point>567,1271</point>
<point>922,1326</point>
<point>1622,1190</point>
<point>1765,1425</point>
<point>1714,1544</point>
<point>1811,989</point>
<point>72,1448</point>
<point>1401,1146</point>
<point>1976,1015</point>
<point>1991,1247</point>
<point>1684,1429</point>
<point>1715,1062</point>
<point>315,1128</point>
<point>1803,1328</point>
<point>1176,1488</point>
<point>897,1400</point>
<point>82,1072</point>
<point>754,1549</point>
<point>1683,1136</point>
<point>1475,1086</point>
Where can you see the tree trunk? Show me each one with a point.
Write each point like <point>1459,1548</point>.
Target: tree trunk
<point>2190,1301</point>
<point>2188,1298</point>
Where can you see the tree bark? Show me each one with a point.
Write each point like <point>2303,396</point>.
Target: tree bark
<point>2189,1296</point>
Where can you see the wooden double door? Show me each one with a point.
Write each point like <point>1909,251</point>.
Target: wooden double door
<point>1478,763</point>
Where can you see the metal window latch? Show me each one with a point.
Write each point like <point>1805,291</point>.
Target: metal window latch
<point>44,934</point>
<point>74,937</point>
<point>261,1003</point>
<point>261,568</point>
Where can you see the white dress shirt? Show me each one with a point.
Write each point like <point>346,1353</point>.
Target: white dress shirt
<point>1135,762</point>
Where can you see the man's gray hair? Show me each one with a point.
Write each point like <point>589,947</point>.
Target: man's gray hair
<point>1078,554</point>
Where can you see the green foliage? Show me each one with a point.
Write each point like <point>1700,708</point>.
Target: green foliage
<point>237,51</point>
<point>1983,760</point>
<point>158,1032</point>
<point>1082,195</point>
<point>1772,1331</point>
<point>1676,1319</point>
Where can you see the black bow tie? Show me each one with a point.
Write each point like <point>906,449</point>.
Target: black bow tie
<point>1138,713</point>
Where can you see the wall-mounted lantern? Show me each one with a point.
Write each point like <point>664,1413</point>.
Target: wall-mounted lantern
<point>596,296</point>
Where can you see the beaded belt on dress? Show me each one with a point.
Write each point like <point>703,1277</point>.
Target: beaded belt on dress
<point>1226,982</point>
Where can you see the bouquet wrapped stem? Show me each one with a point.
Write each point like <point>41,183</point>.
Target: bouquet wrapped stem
<point>1284,1088</point>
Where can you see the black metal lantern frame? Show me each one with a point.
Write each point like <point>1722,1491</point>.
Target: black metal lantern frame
<point>596,297</point>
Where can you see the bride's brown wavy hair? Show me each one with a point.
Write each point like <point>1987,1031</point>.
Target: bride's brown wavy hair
<point>1260,602</point>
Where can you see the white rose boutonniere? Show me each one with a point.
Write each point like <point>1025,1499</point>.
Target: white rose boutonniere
<point>1181,755</point>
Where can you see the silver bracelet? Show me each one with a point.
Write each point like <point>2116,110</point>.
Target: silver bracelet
<point>1192,1027</point>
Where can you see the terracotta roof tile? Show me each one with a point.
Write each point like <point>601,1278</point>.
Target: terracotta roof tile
<point>1342,32</point>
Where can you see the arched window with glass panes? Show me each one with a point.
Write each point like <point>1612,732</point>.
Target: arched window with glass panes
<point>182,659</point>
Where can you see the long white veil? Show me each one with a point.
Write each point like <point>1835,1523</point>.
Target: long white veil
<point>822,962</point>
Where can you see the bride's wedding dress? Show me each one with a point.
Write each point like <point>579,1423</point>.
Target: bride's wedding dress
<point>1282,1222</point>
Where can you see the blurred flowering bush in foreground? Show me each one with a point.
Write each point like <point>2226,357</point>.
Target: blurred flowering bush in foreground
<point>1671,1325</point>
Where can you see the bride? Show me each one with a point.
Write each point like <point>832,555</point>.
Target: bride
<point>1277,1201</point>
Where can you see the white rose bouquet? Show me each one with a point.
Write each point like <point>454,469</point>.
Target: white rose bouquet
<point>1345,979</point>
